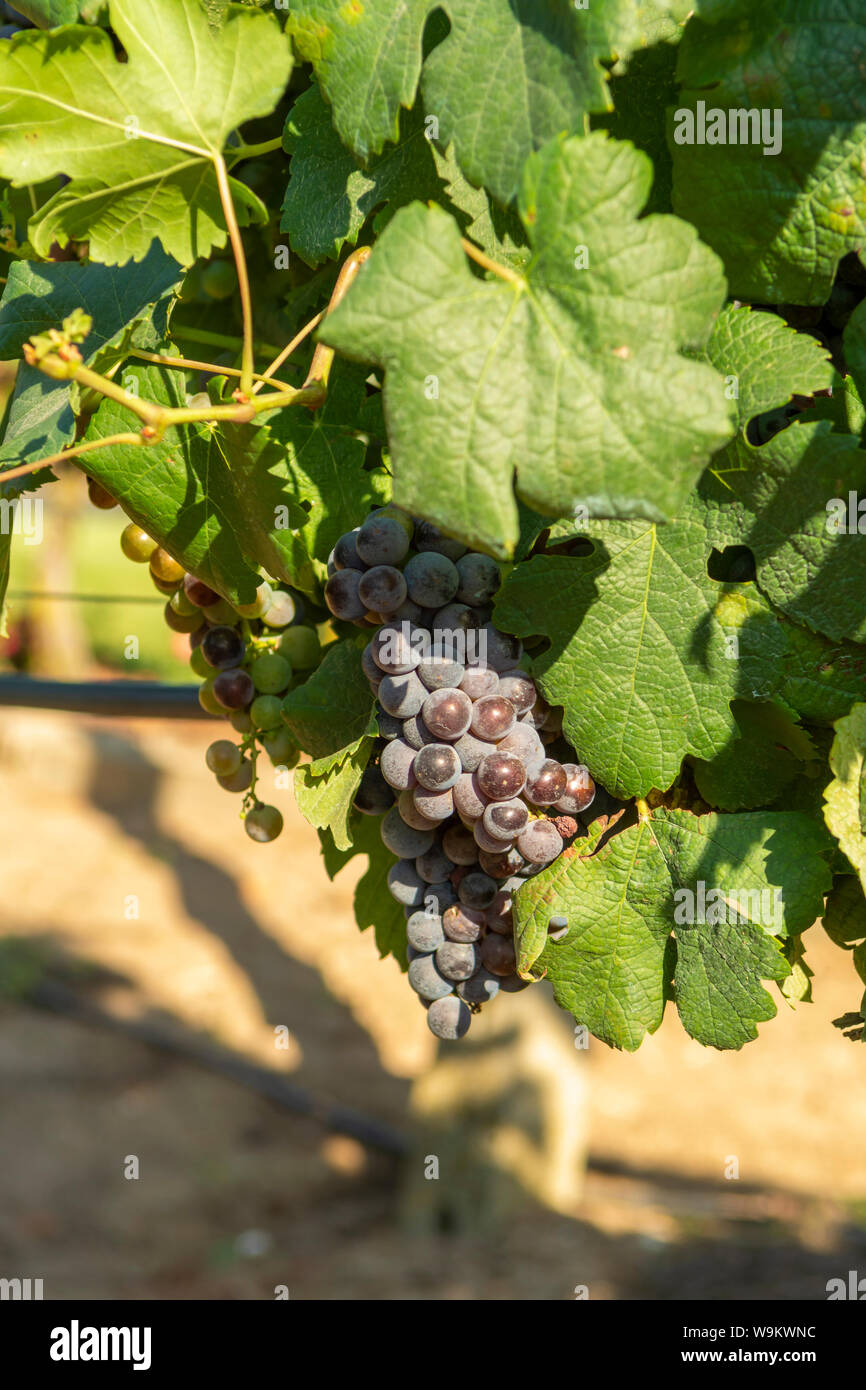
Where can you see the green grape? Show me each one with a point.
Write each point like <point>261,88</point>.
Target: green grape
<point>238,781</point>
<point>240,720</point>
<point>181,605</point>
<point>199,665</point>
<point>280,747</point>
<point>136,544</point>
<point>266,712</point>
<point>280,611</point>
<point>300,645</point>
<point>262,600</point>
<point>263,823</point>
<point>219,614</point>
<point>181,622</point>
<point>165,568</point>
<point>271,673</point>
<point>218,280</point>
<point>223,757</point>
<point>206,697</point>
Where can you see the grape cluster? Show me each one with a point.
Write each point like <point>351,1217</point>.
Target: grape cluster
<point>247,657</point>
<point>472,802</point>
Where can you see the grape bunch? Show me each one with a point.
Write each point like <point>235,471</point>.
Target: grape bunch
<point>472,799</point>
<point>247,658</point>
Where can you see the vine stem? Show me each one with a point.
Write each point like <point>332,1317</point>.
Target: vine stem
<point>86,448</point>
<point>237,152</point>
<point>323,357</point>
<point>644,813</point>
<point>221,340</point>
<point>267,374</point>
<point>192,364</point>
<point>237,245</point>
<point>503,271</point>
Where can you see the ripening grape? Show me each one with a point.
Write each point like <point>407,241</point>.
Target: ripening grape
<point>434,866</point>
<point>447,713</point>
<point>501,776</point>
<point>181,622</point>
<point>492,717</point>
<point>199,593</point>
<point>233,689</point>
<point>238,781</point>
<point>263,823</point>
<point>537,716</point>
<point>546,783</point>
<point>431,579</point>
<point>462,923</point>
<point>345,552</point>
<point>280,611</point>
<point>436,806</point>
<point>459,844</point>
<point>255,609</point>
<point>383,588</point>
<point>402,696</point>
<point>219,614</point>
<point>223,757</point>
<point>207,699</point>
<point>504,820</point>
<point>499,916</point>
<point>501,864</point>
<point>374,794</point>
<point>429,538</point>
<point>479,988</point>
<point>402,839</point>
<point>426,980</point>
<point>579,790</point>
<point>266,712</point>
<point>448,1018</point>
<point>405,884</point>
<point>100,496</point>
<point>438,670</point>
<point>477,890</point>
<point>300,646</point>
<point>279,745</point>
<point>437,766</point>
<point>393,650</point>
<point>198,665</point>
<point>525,743</point>
<point>498,955</point>
<point>416,733</point>
<point>381,541</point>
<point>469,800</point>
<point>424,931</point>
<point>373,673</point>
<point>472,750</point>
<point>454,618</point>
<point>519,688</point>
<point>485,841</point>
<point>223,647</point>
<point>478,681</point>
<point>397,763</point>
<point>457,960</point>
<point>165,568</point>
<point>503,650</point>
<point>479,578</point>
<point>512,984</point>
<point>411,815</point>
<point>271,673</point>
<point>136,544</point>
<point>540,842</point>
<point>389,726</point>
<point>343,597</point>
<point>240,721</point>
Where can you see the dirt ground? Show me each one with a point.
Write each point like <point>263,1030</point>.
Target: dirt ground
<point>709,1175</point>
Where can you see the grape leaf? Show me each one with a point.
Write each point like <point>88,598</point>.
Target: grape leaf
<point>612,967</point>
<point>797,988</point>
<point>329,196</point>
<point>777,497</point>
<point>845,911</point>
<point>756,767</point>
<point>571,377</point>
<point>334,707</point>
<point>180,489</point>
<point>854,339</point>
<point>127,305</point>
<point>374,905</point>
<point>138,140</point>
<point>822,679</point>
<point>780,221</point>
<point>46,14</point>
<point>325,790</point>
<point>646,652</point>
<point>497,230</point>
<point>845,798</point>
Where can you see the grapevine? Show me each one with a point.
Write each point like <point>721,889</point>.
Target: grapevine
<point>500,449</point>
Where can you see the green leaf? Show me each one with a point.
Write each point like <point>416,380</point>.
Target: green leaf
<point>573,378</point>
<point>845,912</point>
<point>781,498</point>
<point>497,230</point>
<point>335,707</point>
<point>374,905</point>
<point>780,221</point>
<point>128,304</point>
<point>546,76</point>
<point>138,140</point>
<point>646,652</point>
<point>845,798</point>
<point>755,768</point>
<point>46,14</point>
<point>854,339</point>
<point>822,679</point>
<point>624,901</point>
<point>329,195</point>
<point>325,790</point>
<point>797,988</point>
<point>180,489</point>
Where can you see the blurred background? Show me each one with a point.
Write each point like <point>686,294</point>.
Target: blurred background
<point>211,1086</point>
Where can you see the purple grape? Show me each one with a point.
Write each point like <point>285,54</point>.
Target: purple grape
<point>461,923</point>
<point>345,552</point>
<point>480,988</point>
<point>373,673</point>
<point>405,884</point>
<point>504,820</point>
<point>438,671</point>
<point>498,954</point>
<point>382,540</point>
<point>579,790</point>
<point>455,618</point>
<point>431,579</point>
<point>342,595</point>
<point>519,688</point>
<point>492,717</point>
<point>434,866</point>
<point>436,806</point>
<point>469,800</point>
<point>233,689</point>
<point>373,796</point>
<point>424,931</point>
<point>478,681</point>
<point>448,1018</point>
<point>472,750</point>
<point>479,578</point>
<point>499,916</point>
<point>382,588</point>
<point>429,538</point>
<point>402,839</point>
<point>199,593</point>
<point>402,696</point>
<point>538,715</point>
<point>409,612</point>
<point>395,650</point>
<point>503,650</point>
<point>512,984</point>
<point>437,767</point>
<point>546,783</point>
<point>459,844</point>
<point>396,762</point>
<point>390,726</point>
<point>501,776</point>
<point>223,648</point>
<point>411,815</point>
<point>416,733</point>
<point>426,979</point>
<point>457,960</point>
<point>501,864</point>
<point>447,713</point>
<point>540,842</point>
<point>477,890</point>
<point>524,742</point>
<point>485,841</point>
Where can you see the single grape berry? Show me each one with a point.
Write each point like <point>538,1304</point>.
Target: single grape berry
<point>180,622</point>
<point>266,712</point>
<point>501,776</point>
<point>280,611</point>
<point>271,673</point>
<point>503,650</point>
<point>100,496</point>
<point>223,757</point>
<point>499,916</point>
<point>405,884</point>
<point>436,806</point>
<point>519,688</point>
<point>402,839</point>
<point>501,864</point>
<point>345,552</point>
<point>469,800</point>
<point>504,820</point>
<point>477,890</point>
<point>240,721</point>
<point>547,783</point>
<point>393,649</point>
<point>411,815</point>
<point>239,781</point>
<point>207,699</point>
<point>447,713</point>
<point>480,988</point>
<point>432,579</point>
<point>233,689</point>
<point>382,541</point>
<point>426,979</point>
<point>437,766</point>
<point>199,593</point>
<point>462,923</point>
<point>492,717</point>
<point>165,568</point>
<point>255,609</point>
<point>343,597</point>
<point>479,578</point>
<point>373,796</point>
<point>382,588</point>
<point>457,960</point>
<point>219,614</point>
<point>579,790</point>
<point>525,743</point>
<point>459,844</point>
<point>401,696</point>
<point>424,931</point>
<point>198,665</point>
<point>478,681</point>
<point>397,763</point>
<point>485,841</point>
<point>439,670</point>
<point>223,647</point>
<point>449,1018</point>
<point>434,866</point>
<point>498,955</point>
<point>389,726</point>
<point>429,538</point>
<point>263,823</point>
<point>453,619</point>
<point>136,544</point>
<point>300,646</point>
<point>279,745</point>
<point>416,733</point>
<point>540,842</point>
<point>471,751</point>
